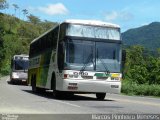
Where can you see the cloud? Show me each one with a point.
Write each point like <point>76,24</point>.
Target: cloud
<point>110,16</point>
<point>121,15</point>
<point>52,9</point>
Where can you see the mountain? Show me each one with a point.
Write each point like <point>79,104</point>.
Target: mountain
<point>147,36</point>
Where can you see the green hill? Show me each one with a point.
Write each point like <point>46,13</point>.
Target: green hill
<point>16,35</point>
<point>147,36</point>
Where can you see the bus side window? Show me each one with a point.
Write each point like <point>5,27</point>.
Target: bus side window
<point>49,41</point>
<point>60,56</point>
<point>55,37</point>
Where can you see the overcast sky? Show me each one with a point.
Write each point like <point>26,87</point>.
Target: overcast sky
<point>126,13</point>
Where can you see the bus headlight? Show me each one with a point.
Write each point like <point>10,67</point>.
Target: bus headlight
<point>66,76</point>
<point>15,75</point>
<point>115,76</point>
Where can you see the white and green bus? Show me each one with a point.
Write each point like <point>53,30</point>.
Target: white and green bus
<point>77,56</point>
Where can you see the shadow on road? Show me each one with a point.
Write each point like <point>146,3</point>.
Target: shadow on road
<point>17,83</point>
<point>67,97</point>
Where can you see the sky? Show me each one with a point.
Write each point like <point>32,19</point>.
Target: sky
<point>126,13</point>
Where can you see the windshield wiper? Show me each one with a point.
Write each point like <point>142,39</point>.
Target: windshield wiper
<point>105,66</point>
<point>87,61</point>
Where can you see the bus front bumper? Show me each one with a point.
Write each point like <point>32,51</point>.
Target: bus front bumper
<point>91,86</point>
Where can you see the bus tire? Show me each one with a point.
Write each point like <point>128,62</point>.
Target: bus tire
<point>40,90</point>
<point>100,96</point>
<point>11,81</point>
<point>53,82</point>
<point>58,94</point>
<point>33,83</point>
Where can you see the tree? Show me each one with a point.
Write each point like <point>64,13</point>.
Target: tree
<point>158,50</point>
<point>3,4</point>
<point>47,25</point>
<point>142,67</point>
<point>15,37</point>
<point>25,12</point>
<point>11,21</point>
<point>135,66</point>
<point>33,19</point>
<point>1,42</point>
<point>153,66</point>
<point>15,7</point>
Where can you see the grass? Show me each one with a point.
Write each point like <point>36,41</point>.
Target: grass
<point>130,88</point>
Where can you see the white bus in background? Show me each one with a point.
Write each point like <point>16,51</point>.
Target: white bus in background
<point>77,56</point>
<point>19,68</point>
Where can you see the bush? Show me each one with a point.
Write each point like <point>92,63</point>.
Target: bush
<point>131,88</point>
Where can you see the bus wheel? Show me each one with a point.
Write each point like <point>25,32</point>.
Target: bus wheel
<point>33,85</point>
<point>57,94</point>
<point>40,90</point>
<point>10,82</point>
<point>100,96</point>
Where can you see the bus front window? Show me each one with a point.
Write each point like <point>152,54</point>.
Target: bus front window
<point>92,56</point>
<point>21,64</point>
<point>108,57</point>
<point>79,54</point>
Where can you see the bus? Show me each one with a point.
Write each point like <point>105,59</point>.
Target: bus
<point>77,56</point>
<point>19,68</point>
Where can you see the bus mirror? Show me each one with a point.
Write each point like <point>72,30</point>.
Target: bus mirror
<point>123,56</point>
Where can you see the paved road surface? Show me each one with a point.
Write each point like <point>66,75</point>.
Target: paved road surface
<point>19,99</point>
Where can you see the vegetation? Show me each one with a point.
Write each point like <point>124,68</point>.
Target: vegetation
<point>141,72</point>
<point>142,67</point>
<point>16,34</point>
<point>140,89</point>
<point>3,4</point>
<point>147,36</point>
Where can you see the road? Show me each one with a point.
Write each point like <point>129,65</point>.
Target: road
<point>19,99</point>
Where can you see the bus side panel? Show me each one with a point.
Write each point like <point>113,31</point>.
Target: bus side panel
<point>52,69</point>
<point>41,70</point>
<point>45,60</point>
<point>31,73</point>
<point>35,73</point>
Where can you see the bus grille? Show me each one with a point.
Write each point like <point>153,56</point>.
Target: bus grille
<point>87,77</point>
<point>102,78</point>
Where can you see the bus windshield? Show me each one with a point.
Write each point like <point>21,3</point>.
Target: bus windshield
<point>21,64</point>
<point>92,56</point>
<point>79,53</point>
<point>108,56</point>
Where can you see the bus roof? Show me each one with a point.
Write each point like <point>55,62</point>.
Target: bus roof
<point>92,22</point>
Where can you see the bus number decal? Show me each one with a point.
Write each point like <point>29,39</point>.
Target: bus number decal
<point>81,73</point>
